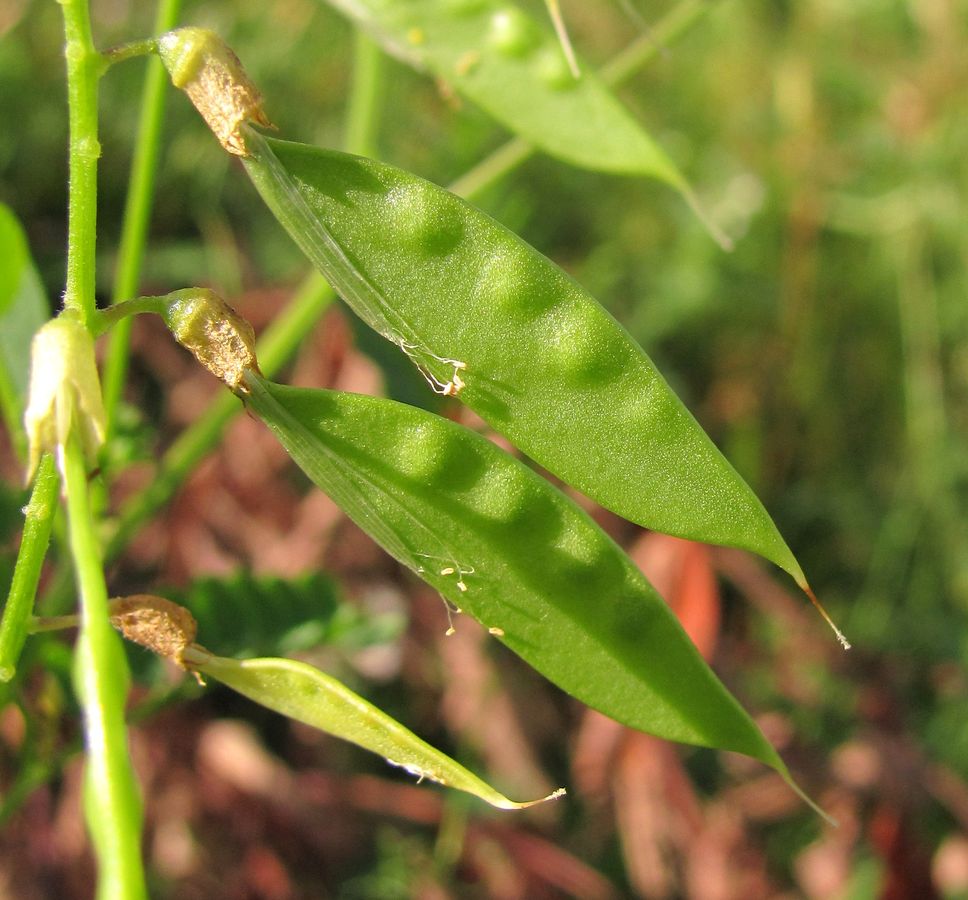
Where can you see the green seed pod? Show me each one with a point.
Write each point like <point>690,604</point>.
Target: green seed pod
<point>218,337</point>
<point>205,68</point>
<point>488,319</point>
<point>501,543</point>
<point>522,76</point>
<point>308,695</point>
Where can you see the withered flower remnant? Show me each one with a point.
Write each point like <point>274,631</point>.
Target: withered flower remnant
<point>204,67</point>
<point>218,337</point>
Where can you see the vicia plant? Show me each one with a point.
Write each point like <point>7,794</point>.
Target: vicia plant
<point>483,316</point>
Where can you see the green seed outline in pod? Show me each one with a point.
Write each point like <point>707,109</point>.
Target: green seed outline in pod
<point>500,542</point>
<point>537,357</point>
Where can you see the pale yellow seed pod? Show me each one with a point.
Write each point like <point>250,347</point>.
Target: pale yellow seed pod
<point>218,337</point>
<point>65,391</point>
<point>205,68</point>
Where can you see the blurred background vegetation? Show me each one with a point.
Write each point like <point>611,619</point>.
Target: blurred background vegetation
<point>827,355</point>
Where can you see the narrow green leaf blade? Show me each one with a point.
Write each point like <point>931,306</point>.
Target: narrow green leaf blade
<point>301,692</point>
<point>541,360</point>
<point>514,68</point>
<point>500,542</point>
<point>23,309</point>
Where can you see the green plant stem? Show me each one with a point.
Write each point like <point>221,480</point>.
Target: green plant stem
<point>362,119</point>
<point>84,68</point>
<point>924,395</point>
<point>30,559</point>
<point>670,28</point>
<point>111,798</point>
<point>137,211</point>
<point>637,55</point>
<point>43,768</point>
<point>53,623</point>
<point>314,296</point>
<point>133,49</point>
<point>493,168</point>
<point>121,313</point>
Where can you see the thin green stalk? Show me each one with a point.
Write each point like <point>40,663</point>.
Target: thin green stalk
<point>296,322</point>
<point>362,118</point>
<point>111,797</point>
<point>84,68</point>
<point>137,212</point>
<point>121,313</point>
<point>131,50</point>
<point>924,396</point>
<point>493,168</point>
<point>54,623</point>
<point>927,421</point>
<point>281,338</point>
<point>669,29</point>
<point>30,559</point>
<point>40,769</point>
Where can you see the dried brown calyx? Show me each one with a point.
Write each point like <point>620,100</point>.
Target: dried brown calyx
<point>204,67</point>
<point>153,622</point>
<point>218,337</point>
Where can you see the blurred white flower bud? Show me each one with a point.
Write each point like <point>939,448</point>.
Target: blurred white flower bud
<point>65,391</point>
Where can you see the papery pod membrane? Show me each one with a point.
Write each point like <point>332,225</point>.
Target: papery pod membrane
<point>502,544</point>
<point>489,319</point>
<point>515,68</point>
<point>306,694</point>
